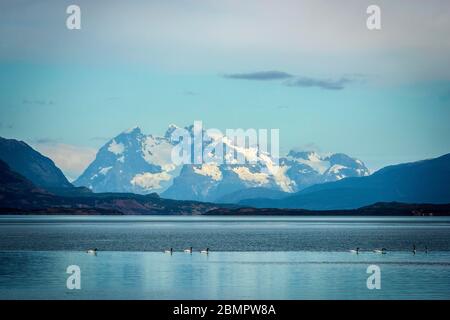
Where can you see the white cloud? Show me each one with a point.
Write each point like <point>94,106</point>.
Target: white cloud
<point>71,159</point>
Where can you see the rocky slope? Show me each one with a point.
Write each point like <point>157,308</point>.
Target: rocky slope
<point>31,164</point>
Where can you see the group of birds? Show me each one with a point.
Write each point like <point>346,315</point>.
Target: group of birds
<point>384,250</point>
<point>188,250</point>
<point>206,251</point>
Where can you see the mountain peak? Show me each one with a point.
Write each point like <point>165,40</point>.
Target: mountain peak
<point>306,155</point>
<point>26,161</point>
<point>172,127</point>
<point>135,162</point>
<point>133,130</point>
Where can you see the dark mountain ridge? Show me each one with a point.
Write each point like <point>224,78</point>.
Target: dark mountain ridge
<point>426,181</point>
<point>377,209</point>
<point>423,184</point>
<point>31,164</point>
<point>19,195</point>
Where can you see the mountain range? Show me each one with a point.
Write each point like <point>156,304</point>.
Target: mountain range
<point>30,182</point>
<point>20,195</point>
<point>426,181</point>
<point>139,163</point>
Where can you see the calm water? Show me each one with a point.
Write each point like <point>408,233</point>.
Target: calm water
<point>154,233</point>
<point>251,258</point>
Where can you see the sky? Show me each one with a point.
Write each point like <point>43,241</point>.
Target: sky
<point>309,68</point>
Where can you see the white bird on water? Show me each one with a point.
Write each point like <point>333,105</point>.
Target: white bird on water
<point>92,251</point>
<point>206,251</point>
<point>380,251</point>
<point>169,251</point>
<point>189,250</point>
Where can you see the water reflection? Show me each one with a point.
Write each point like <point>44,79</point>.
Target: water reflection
<point>224,275</point>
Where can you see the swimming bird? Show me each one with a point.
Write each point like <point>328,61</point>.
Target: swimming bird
<point>355,251</point>
<point>381,251</point>
<point>189,250</point>
<point>169,251</point>
<point>414,249</point>
<point>92,251</point>
<point>206,251</point>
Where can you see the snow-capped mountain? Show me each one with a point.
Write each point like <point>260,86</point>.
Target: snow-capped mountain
<point>134,162</point>
<point>131,162</point>
<point>296,171</point>
<point>307,168</point>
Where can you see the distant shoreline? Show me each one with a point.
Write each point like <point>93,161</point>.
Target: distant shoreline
<point>383,209</point>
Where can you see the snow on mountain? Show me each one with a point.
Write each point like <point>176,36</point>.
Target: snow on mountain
<point>134,162</point>
<point>310,159</point>
<point>116,148</point>
<point>307,168</point>
<point>131,162</point>
<point>211,170</point>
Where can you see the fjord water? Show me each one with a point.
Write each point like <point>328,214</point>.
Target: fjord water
<point>251,257</point>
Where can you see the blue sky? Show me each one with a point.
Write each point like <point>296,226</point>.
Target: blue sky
<point>309,68</point>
